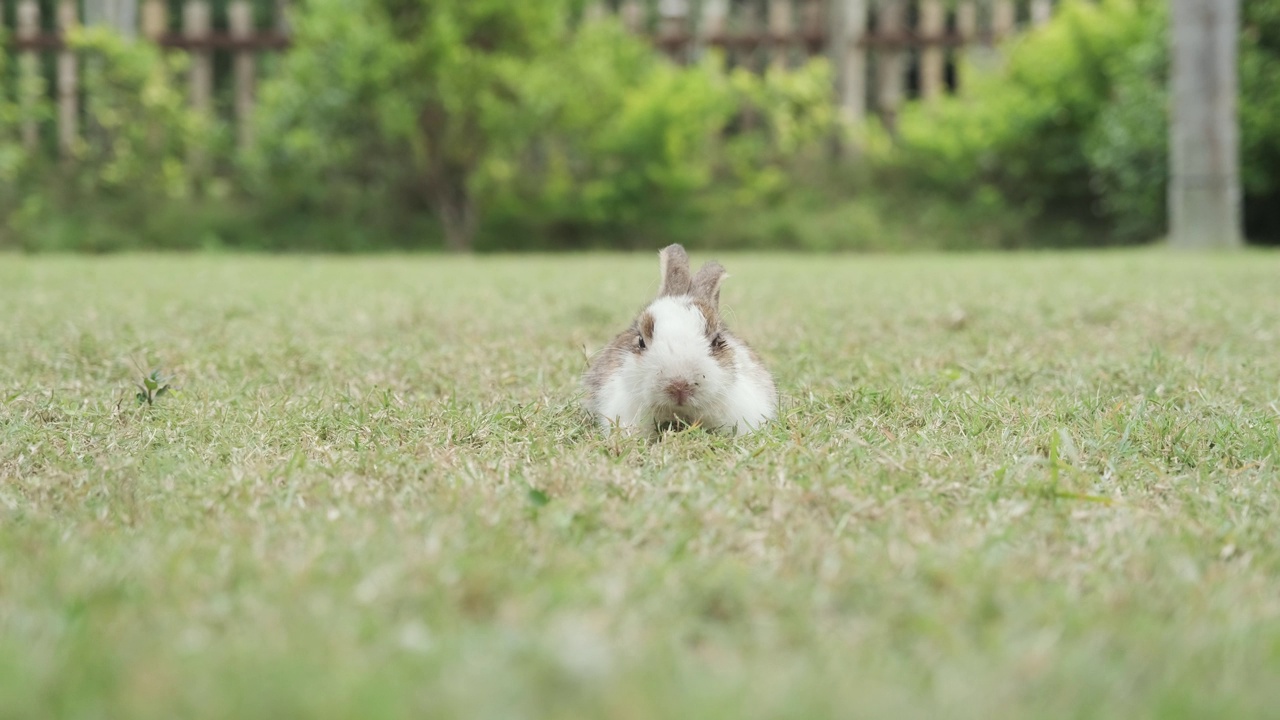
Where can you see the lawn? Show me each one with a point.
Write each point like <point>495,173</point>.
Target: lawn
<point>1039,485</point>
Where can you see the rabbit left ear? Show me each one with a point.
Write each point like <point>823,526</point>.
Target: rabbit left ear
<point>673,263</point>
<point>706,284</point>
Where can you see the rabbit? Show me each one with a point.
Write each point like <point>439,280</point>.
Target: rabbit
<point>677,365</point>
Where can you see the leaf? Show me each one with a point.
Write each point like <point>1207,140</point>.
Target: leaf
<point>161,392</point>
<point>150,383</point>
<point>538,498</point>
<point>142,397</point>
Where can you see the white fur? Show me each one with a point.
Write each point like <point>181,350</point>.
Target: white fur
<point>734,401</point>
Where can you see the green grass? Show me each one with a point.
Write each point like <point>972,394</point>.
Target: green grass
<point>1003,486</point>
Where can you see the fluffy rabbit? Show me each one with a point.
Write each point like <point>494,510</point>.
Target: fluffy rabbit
<point>678,365</point>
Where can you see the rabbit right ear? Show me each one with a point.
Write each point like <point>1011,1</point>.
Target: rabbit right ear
<point>673,263</point>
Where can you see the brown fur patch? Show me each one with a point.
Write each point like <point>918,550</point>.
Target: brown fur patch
<point>607,361</point>
<point>721,351</point>
<point>710,314</point>
<point>645,324</point>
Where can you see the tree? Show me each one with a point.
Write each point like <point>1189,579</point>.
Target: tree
<point>454,66</point>
<point>1204,189</point>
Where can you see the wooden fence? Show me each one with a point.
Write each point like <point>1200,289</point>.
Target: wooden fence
<point>884,51</point>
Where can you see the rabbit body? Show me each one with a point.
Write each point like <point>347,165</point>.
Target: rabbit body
<point>678,365</point>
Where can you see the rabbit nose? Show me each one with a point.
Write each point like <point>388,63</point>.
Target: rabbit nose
<point>680,391</point>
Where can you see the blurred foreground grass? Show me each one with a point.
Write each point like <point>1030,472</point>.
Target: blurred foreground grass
<point>1005,486</point>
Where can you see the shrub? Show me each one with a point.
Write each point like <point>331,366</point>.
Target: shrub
<point>1128,147</point>
<point>522,131</point>
<point>1073,129</point>
<point>15,161</point>
<point>403,95</point>
<point>132,158</point>
<point>1019,130</point>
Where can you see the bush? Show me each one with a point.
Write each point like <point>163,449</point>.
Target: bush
<point>15,161</point>
<point>1073,129</point>
<point>1019,130</point>
<point>521,131</point>
<point>1128,146</point>
<point>133,157</point>
<point>627,146</point>
<point>405,98</point>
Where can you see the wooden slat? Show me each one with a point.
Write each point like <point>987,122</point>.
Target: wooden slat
<point>711,24</point>
<point>217,41</point>
<point>633,15</point>
<point>851,57</point>
<point>240,18</point>
<point>967,33</point>
<point>1041,11</point>
<point>155,19</point>
<point>596,11</point>
<point>196,27</point>
<point>68,84</point>
<point>284,24</point>
<point>933,22</point>
<point>1002,18</point>
<point>892,75</point>
<point>28,71</point>
<point>780,33</point>
<point>673,28</point>
<point>813,19</point>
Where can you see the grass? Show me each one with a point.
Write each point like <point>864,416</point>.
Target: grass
<point>1004,486</point>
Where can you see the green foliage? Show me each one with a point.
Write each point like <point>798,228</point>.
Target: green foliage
<point>1128,147</point>
<point>15,160</point>
<point>1260,118</point>
<point>1019,130</point>
<point>1073,128</point>
<point>521,128</point>
<point>414,87</point>
<point>130,170</point>
<point>153,387</point>
<point>142,131</point>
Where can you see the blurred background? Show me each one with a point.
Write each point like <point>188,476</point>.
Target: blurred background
<point>508,125</point>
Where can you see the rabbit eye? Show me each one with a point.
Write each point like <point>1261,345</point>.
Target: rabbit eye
<point>640,342</point>
<point>717,342</point>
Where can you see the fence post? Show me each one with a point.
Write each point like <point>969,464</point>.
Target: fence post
<point>28,72</point>
<point>889,90</point>
<point>780,33</point>
<point>1041,12</point>
<point>1204,132</point>
<point>711,24</point>
<point>812,20</point>
<point>283,26</point>
<point>1002,19</point>
<point>633,15</point>
<point>673,20</point>
<point>240,18</point>
<point>970,50</point>
<point>851,58</point>
<point>196,22</point>
<point>596,11</point>
<point>196,26</point>
<point>155,20</point>
<point>68,83</point>
<point>749,24</point>
<point>933,22</point>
